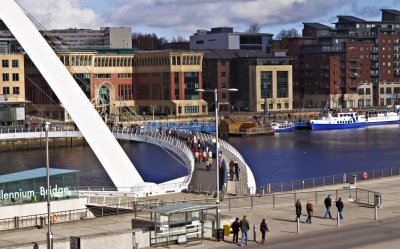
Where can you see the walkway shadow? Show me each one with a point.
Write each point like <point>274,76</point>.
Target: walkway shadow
<point>280,219</point>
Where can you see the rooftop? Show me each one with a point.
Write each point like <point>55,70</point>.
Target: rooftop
<point>182,208</point>
<point>391,11</point>
<point>316,25</point>
<point>350,19</point>
<point>33,173</point>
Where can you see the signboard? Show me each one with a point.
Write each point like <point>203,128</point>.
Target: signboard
<point>20,113</point>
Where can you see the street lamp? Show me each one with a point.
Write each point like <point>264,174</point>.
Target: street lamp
<point>49,234</point>
<point>216,136</point>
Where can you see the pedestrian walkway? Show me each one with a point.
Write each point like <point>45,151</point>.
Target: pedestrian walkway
<point>281,219</point>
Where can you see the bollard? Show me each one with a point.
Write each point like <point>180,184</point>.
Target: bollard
<point>298,225</point>
<point>262,191</point>
<point>269,188</point>
<point>338,219</point>
<point>316,197</point>
<point>344,178</point>
<point>376,212</point>
<point>254,233</point>
<point>303,184</point>
<point>251,199</point>
<point>229,203</point>
<point>273,201</point>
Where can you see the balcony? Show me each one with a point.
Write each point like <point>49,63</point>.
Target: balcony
<point>374,73</point>
<point>354,59</point>
<point>354,75</point>
<point>397,72</point>
<point>374,65</point>
<point>374,58</point>
<point>354,67</point>
<point>374,50</point>
<point>325,67</point>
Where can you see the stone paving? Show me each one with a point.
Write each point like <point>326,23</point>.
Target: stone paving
<point>280,219</point>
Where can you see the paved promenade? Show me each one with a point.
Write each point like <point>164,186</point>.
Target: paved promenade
<point>280,221</point>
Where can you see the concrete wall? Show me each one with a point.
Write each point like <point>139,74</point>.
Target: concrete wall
<point>41,208</point>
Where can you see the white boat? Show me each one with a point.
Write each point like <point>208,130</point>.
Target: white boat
<point>345,120</point>
<point>381,117</point>
<point>283,127</point>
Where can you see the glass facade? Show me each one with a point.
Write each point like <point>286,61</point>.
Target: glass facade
<point>31,186</point>
<point>266,84</point>
<point>282,84</point>
<point>191,83</point>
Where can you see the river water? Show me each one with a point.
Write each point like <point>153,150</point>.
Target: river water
<point>282,157</point>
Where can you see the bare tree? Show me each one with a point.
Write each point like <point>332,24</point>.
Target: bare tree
<point>287,33</point>
<point>254,28</point>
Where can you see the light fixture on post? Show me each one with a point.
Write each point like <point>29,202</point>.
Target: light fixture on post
<point>216,139</point>
<point>49,233</point>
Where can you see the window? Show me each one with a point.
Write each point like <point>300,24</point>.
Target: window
<point>4,63</point>
<point>6,90</point>
<point>223,74</point>
<point>15,63</point>
<point>224,96</point>
<point>200,42</point>
<point>286,105</point>
<point>102,76</point>
<point>361,91</point>
<point>15,77</point>
<point>282,84</point>
<point>266,84</point>
<point>223,63</point>
<point>388,90</point>
<point>6,77</point>
<point>368,91</point>
<point>382,90</point>
<point>15,90</point>
<point>278,106</point>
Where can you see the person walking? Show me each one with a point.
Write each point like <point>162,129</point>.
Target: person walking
<point>235,229</point>
<point>328,204</point>
<point>196,156</point>
<point>244,227</point>
<point>340,206</point>
<point>264,230</point>
<point>310,211</point>
<point>298,209</point>
<point>237,170</point>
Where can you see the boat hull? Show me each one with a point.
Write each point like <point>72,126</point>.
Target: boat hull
<point>336,126</point>
<point>289,129</point>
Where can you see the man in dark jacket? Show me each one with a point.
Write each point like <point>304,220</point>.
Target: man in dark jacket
<point>340,206</point>
<point>235,228</point>
<point>328,204</point>
<point>244,227</point>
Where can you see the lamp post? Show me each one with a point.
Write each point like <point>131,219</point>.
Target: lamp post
<point>216,138</point>
<point>49,234</point>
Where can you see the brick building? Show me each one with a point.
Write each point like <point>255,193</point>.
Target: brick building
<point>330,65</point>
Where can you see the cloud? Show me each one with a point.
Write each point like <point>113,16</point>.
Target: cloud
<point>61,13</point>
<point>210,13</point>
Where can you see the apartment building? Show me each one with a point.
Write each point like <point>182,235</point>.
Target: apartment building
<point>331,64</point>
<point>12,87</point>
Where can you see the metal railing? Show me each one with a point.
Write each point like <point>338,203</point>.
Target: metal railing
<point>329,180</point>
<point>40,220</point>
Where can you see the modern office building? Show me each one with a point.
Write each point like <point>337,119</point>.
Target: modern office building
<point>259,78</point>
<point>225,38</point>
<point>123,85</point>
<point>331,64</point>
<point>106,37</point>
<point>165,82</point>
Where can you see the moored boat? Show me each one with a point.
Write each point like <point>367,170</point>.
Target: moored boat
<point>340,121</point>
<point>381,117</point>
<point>283,127</point>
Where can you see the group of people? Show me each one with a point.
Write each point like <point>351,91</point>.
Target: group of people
<point>244,227</point>
<point>234,170</point>
<point>201,152</point>
<point>328,205</point>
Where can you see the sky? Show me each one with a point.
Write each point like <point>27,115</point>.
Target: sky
<point>173,18</point>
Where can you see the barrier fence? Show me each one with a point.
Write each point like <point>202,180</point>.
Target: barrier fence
<point>328,180</point>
